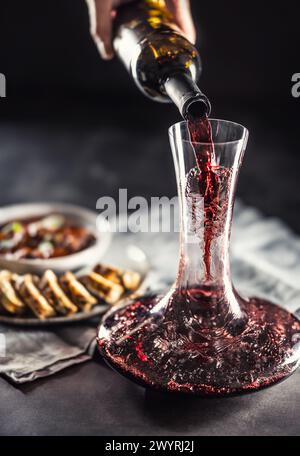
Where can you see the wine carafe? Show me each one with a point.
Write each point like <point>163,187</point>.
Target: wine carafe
<point>202,336</point>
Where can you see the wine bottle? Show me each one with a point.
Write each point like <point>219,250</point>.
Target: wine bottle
<point>164,65</point>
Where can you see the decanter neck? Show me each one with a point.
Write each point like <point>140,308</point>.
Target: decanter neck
<point>204,244</point>
<point>207,157</point>
<point>204,278</point>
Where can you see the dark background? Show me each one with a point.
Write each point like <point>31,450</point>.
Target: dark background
<point>74,127</point>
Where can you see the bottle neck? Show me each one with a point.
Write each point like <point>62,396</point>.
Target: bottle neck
<point>187,96</point>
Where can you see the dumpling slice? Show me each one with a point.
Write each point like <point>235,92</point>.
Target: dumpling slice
<point>52,290</point>
<point>129,279</point>
<point>32,296</point>
<point>109,272</point>
<point>103,288</point>
<point>77,292</point>
<point>9,298</point>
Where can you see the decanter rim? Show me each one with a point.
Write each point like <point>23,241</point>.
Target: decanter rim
<point>244,136</point>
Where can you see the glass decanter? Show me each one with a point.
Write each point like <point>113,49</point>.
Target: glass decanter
<point>202,337</point>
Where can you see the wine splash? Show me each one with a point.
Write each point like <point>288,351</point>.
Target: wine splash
<point>209,181</point>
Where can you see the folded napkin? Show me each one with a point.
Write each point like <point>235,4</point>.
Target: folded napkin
<point>33,353</point>
<point>265,262</point>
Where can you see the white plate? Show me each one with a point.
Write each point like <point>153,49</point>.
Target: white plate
<point>85,217</point>
<point>132,258</point>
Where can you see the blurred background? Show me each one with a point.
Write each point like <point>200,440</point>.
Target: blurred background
<point>74,128</point>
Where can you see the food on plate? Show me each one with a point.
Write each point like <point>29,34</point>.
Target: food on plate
<point>9,299</point>
<point>130,280</point>
<point>103,288</point>
<point>43,237</point>
<point>110,273</point>
<point>77,292</point>
<point>53,292</point>
<point>53,296</point>
<point>31,295</point>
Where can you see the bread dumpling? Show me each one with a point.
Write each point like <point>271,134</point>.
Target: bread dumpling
<point>34,299</point>
<point>77,292</point>
<point>52,290</point>
<point>129,279</point>
<point>103,288</point>
<point>9,298</point>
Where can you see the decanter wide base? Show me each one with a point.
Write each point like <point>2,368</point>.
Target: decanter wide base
<point>170,348</point>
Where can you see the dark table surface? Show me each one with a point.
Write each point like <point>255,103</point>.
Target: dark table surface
<point>77,156</point>
<point>90,399</point>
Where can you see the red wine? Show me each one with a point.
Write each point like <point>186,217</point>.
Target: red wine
<point>209,177</point>
<point>160,350</point>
